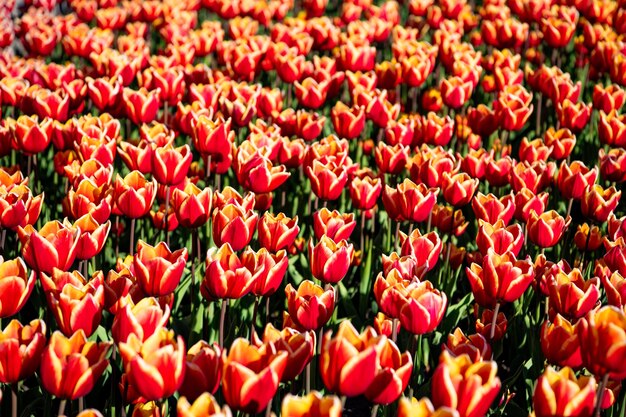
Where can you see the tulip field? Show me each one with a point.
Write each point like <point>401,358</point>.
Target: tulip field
<point>312,208</point>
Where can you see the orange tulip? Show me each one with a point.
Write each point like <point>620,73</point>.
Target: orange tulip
<point>19,207</point>
<point>71,367</point>
<point>561,393</point>
<point>92,237</point>
<point>203,370</point>
<point>16,285</point>
<point>31,135</point>
<point>251,375</point>
<point>311,405</point>
<point>393,375</point>
<point>465,386</point>
<point>602,335</point>
<point>204,406</point>
<point>277,232</point>
<point>423,408</point>
<point>156,366</point>
<point>598,203</point>
<point>559,342</point>
<point>142,319</point>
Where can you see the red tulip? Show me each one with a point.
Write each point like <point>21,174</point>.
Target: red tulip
<point>602,335</point>
<point>598,203</point>
<point>277,232</point>
<point>32,136</point>
<point>311,405</point>
<point>229,275</point>
<point>330,261</point>
<point>71,367</point>
<point>142,319</point>
<point>499,238</point>
<point>235,225</point>
<point>134,195</point>
<point>546,230</point>
<point>561,393</point>
<point>572,296</point>
<point>19,207</point>
<point>203,370</point>
<point>16,285</point>
<point>559,342</point>
<point>423,308</point>
<point>141,106</point>
<point>21,349</point>
<point>192,205</point>
<point>310,306</point>
<point>53,246</point>
<point>475,345</point>
<point>158,269</point>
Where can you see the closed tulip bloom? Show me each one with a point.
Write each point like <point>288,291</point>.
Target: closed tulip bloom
<point>364,192</point>
<point>204,406</point>
<point>425,248</point>
<point>501,278</point>
<point>277,232</point>
<point>271,272</point>
<point>423,408</point>
<point>572,296</point>
<point>350,361</point>
<point>314,404</point>
<point>214,140</point>
<point>19,207</point>
<point>423,308</point>
<point>333,224</point>
<point>310,306</point>
<point>602,335</point>
<point>490,208</point>
<point>257,173</point>
<point>559,342</point>
<point>410,201</point>
<point>92,237</point>
<point>545,230</point>
<point>251,375</point>
<point>390,292</point>
<point>527,202</point>
<point>16,285</point>
<point>142,319</point>
<point>70,367</point>
<point>158,269</point>
<point>393,375</point>
<point>455,91</point>
<point>156,366</point>
<point>141,106</point>
<point>474,345</point>
<point>170,165</point>
<point>348,122</point>
<point>203,370</point>
<point>77,305</point>
<point>192,205</point>
<point>499,238</point>
<point>234,225</point>
<point>391,159</point>
<point>458,189</point>
<point>134,195</point>
<point>31,135</point>
<point>53,246</point>
<point>598,203</point>
<point>330,261</point>
<point>227,274</point>
<point>327,180</point>
<point>573,179</point>
<point>300,347</point>
<point>561,393</point>
<point>21,348</point>
<point>467,387</point>
<point>88,198</point>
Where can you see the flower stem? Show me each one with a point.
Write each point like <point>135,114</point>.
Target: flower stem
<point>14,400</point>
<point>167,217</point>
<point>132,236</point>
<point>62,407</point>
<point>494,320</point>
<point>254,313</point>
<point>222,319</point>
<point>394,329</point>
<point>375,410</point>
<point>600,394</point>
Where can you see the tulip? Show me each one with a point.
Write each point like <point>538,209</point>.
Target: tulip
<point>251,375</point>
<point>299,346</point>
<point>88,198</point>
<point>53,246</point>
<point>490,209</point>
<point>467,387</point>
<point>546,230</point>
<point>602,335</point>
<point>257,173</point>
<point>327,180</point>
<point>527,203</point>
<point>333,224</point>
<point>425,248</point>
<point>272,269</point>
<point>156,366</point>
<point>574,178</point>
<point>235,225</point>
<point>597,203</point>
<point>104,92</point>
<point>410,201</point>
<point>455,92</point>
<point>423,308</point>
<point>22,348</point>
<point>490,324</point>
<point>203,370</point>
<point>501,278</point>
<point>559,342</point>
<point>71,367</point>
<point>19,207</point>
<point>192,205</point>
<point>458,189</point>
<point>31,135</point>
<point>391,159</point>
<point>142,319</point>
<point>204,406</point>
<point>141,106</point>
<point>572,296</point>
<point>364,192</point>
<point>573,116</point>
<point>348,122</point>
<point>277,232</point>
<point>311,405</point>
<point>228,275</point>
<point>423,408</point>
<point>134,195</point>
<point>499,238</point>
<point>561,141</point>
<point>76,305</point>
<point>92,236</point>
<point>448,220</point>
<point>607,99</point>
<point>614,288</point>
<point>158,269</point>
<point>310,306</point>
<point>330,261</point>
<point>137,157</point>
<point>613,164</point>
<point>390,292</point>
<point>474,345</point>
<point>349,362</point>
<point>561,393</point>
<point>170,165</point>
<point>16,285</point>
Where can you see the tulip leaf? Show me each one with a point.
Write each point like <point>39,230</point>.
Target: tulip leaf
<point>366,281</point>
<point>345,300</point>
<point>455,313</point>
